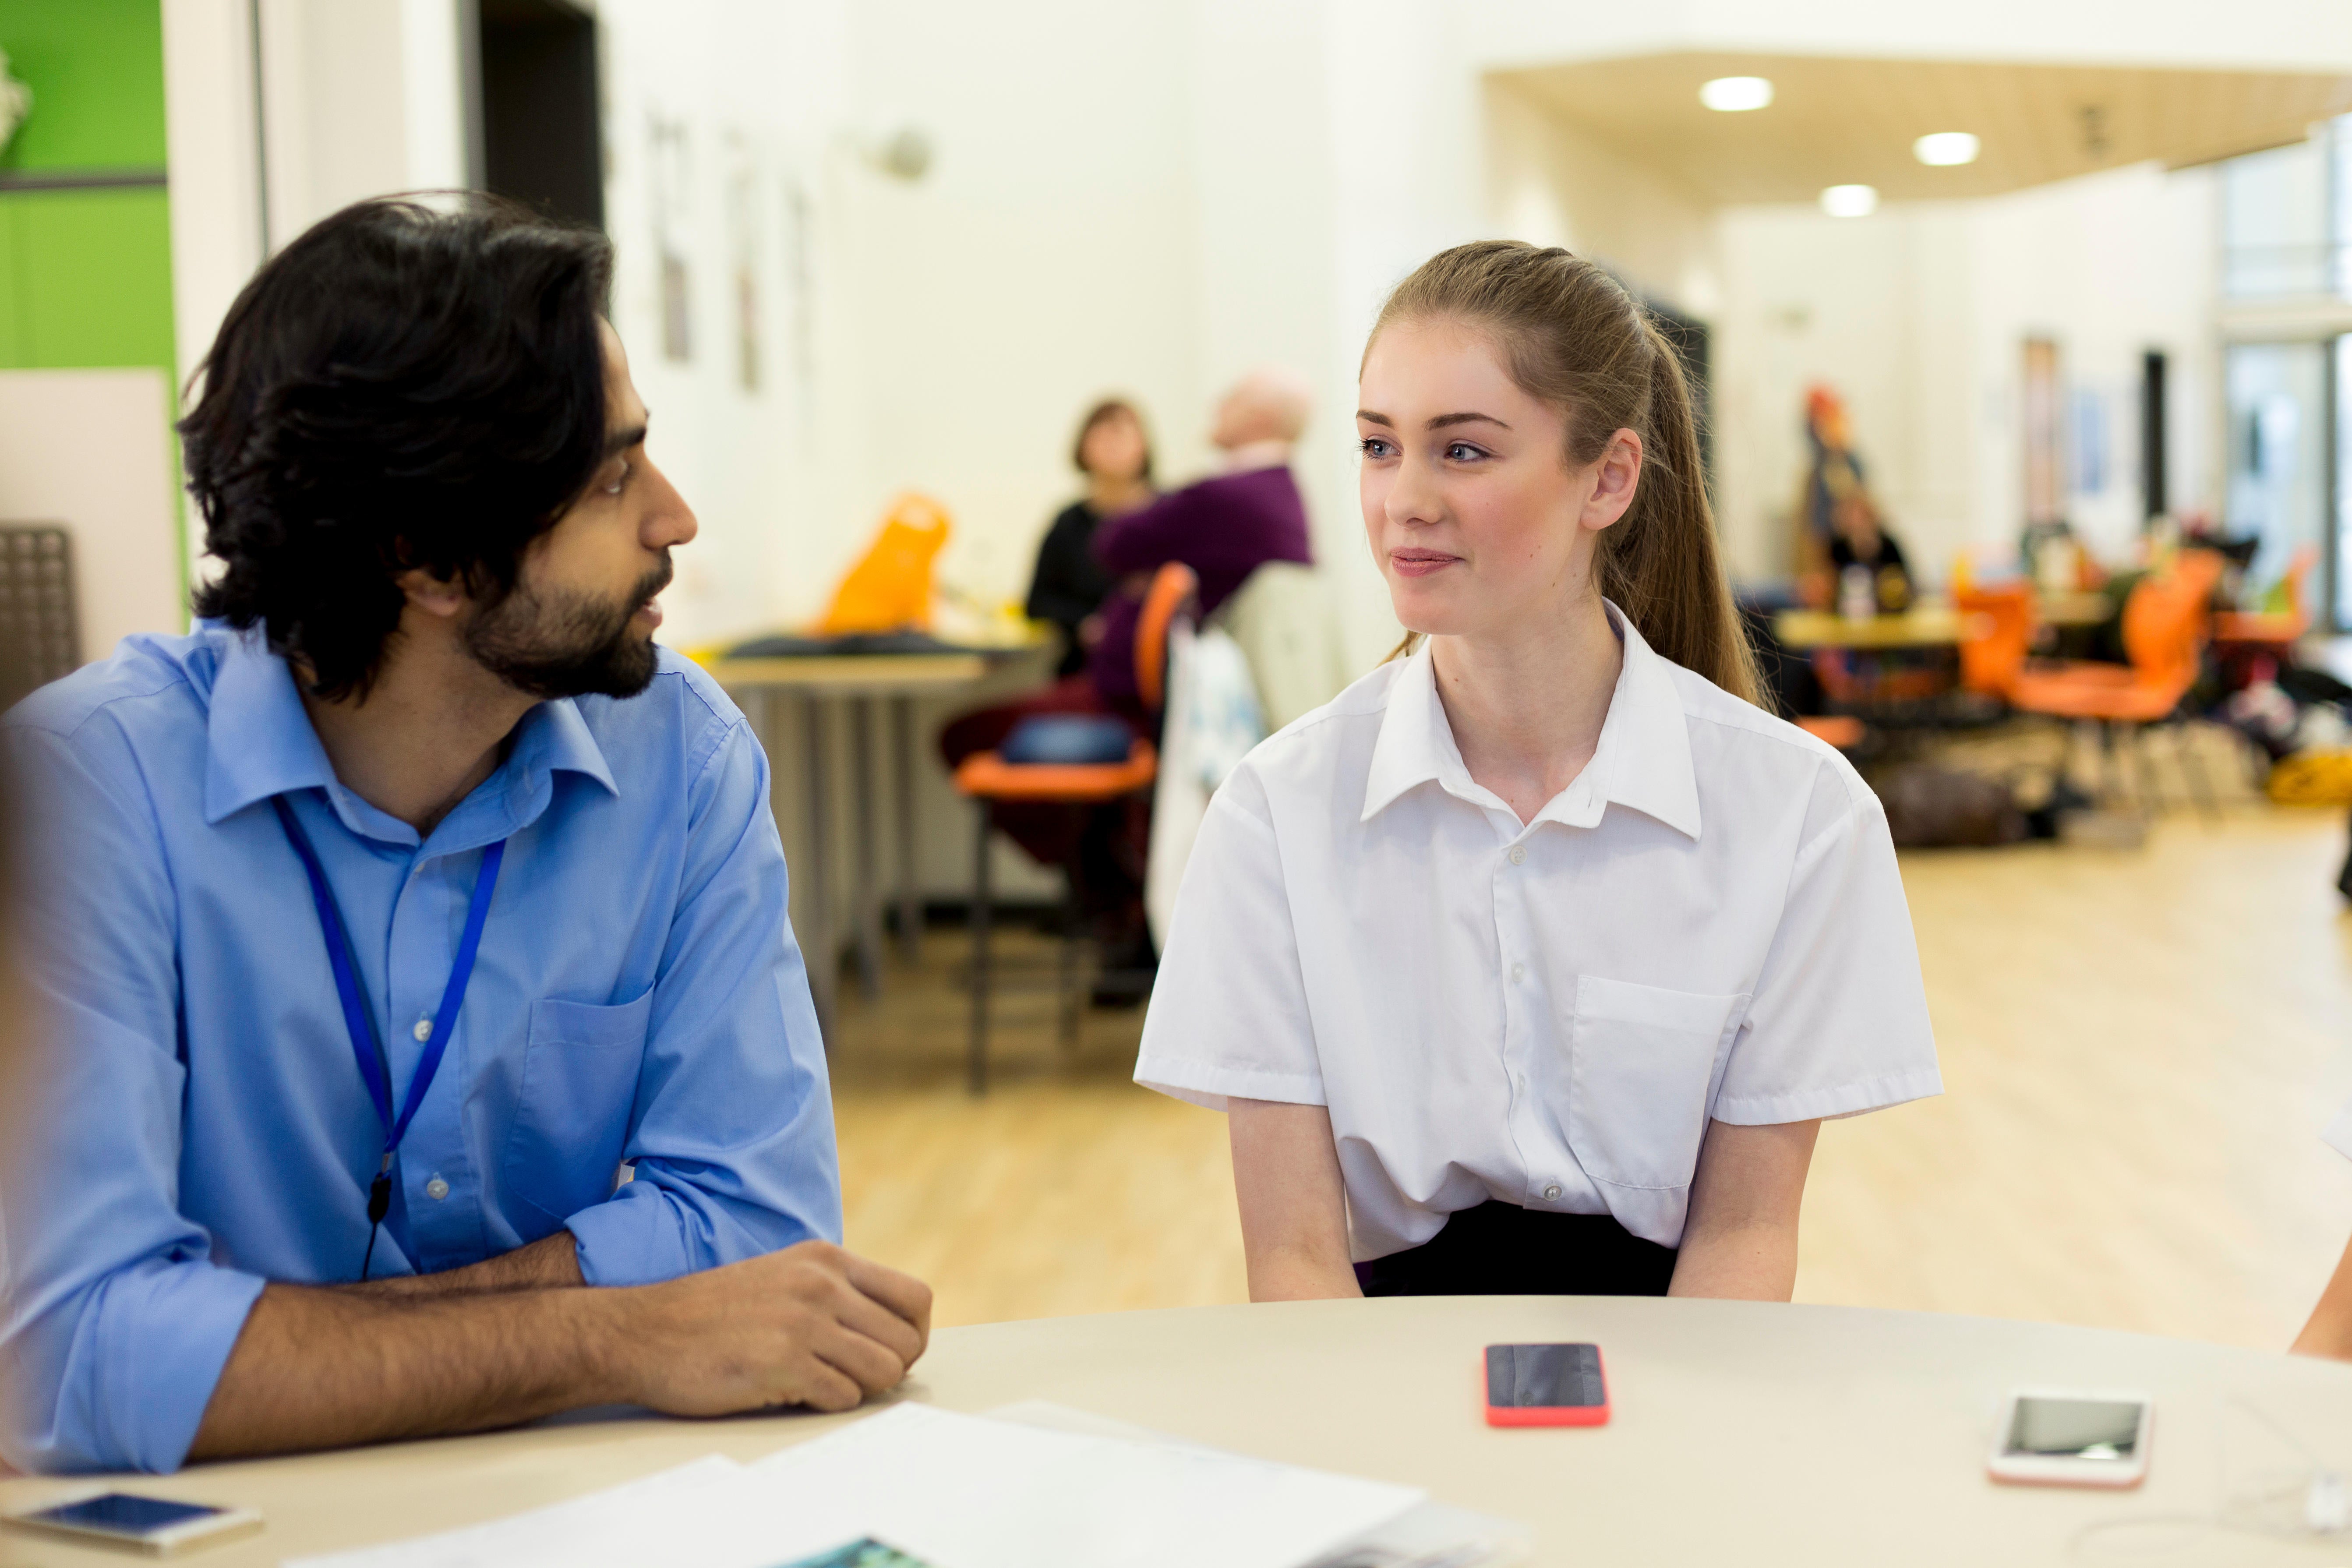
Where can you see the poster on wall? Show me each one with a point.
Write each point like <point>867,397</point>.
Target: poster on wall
<point>744,256</point>
<point>2045,443</point>
<point>671,165</point>
<point>800,299</point>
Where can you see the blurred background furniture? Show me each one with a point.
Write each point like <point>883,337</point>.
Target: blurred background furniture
<point>40,636</point>
<point>988,779</point>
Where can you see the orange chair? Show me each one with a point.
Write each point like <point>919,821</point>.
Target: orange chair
<point>2275,630</point>
<point>987,778</point>
<point>1997,632</point>
<point>2165,623</point>
<point>1839,729</point>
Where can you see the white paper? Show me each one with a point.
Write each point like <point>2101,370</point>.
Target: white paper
<point>955,1491</point>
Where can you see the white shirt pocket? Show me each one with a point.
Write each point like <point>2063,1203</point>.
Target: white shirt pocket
<point>1641,1060</point>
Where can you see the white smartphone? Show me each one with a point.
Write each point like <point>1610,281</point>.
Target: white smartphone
<point>2072,1438</point>
<point>150,1524</point>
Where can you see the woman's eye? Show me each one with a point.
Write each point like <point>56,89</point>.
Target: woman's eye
<point>1374,446</point>
<point>1461,452</point>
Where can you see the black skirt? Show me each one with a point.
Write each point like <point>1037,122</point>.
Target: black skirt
<point>1502,1249</point>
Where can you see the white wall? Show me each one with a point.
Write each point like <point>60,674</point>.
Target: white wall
<point>1919,316</point>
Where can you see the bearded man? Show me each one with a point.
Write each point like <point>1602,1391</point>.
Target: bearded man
<point>429,1047</point>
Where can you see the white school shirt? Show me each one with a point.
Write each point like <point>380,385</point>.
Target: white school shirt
<point>1706,923</point>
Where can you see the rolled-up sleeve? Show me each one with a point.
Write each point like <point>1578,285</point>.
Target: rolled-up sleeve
<point>1838,1024</point>
<point>115,1319</point>
<point>732,1134</point>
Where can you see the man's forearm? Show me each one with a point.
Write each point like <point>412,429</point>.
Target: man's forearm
<point>550,1263</point>
<point>326,1367</point>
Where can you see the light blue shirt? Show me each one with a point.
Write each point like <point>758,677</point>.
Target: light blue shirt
<point>201,1126</point>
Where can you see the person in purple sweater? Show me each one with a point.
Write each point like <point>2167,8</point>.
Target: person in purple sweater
<point>1223,527</point>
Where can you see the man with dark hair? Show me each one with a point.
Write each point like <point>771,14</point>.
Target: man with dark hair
<point>432,1049</point>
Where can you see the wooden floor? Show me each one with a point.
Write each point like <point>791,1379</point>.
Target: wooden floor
<point>2139,1047</point>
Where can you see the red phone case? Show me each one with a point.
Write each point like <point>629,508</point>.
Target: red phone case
<point>1549,1415</point>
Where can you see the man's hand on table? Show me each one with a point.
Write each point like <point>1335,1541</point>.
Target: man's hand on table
<point>810,1325</point>
<point>326,1367</point>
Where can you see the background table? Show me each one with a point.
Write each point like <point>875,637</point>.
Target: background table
<point>1743,1433</point>
<point>1926,625</point>
<point>857,680</point>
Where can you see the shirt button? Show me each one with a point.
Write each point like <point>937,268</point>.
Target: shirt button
<point>1518,972</point>
<point>1518,854</point>
<point>1551,1192</point>
<point>424,1030</point>
<point>437,1189</point>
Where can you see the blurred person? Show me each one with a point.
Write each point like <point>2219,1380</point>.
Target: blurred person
<point>421,773</point>
<point>1115,455</point>
<point>1861,542</point>
<point>1223,527</point>
<point>1532,963</point>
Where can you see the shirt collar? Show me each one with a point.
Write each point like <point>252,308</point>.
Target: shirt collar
<point>259,741</point>
<point>1643,760</point>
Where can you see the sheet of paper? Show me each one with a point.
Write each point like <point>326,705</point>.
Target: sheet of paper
<point>963,1492</point>
<point>607,1526</point>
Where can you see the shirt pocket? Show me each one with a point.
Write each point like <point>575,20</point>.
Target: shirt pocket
<point>1642,1060</point>
<point>579,1087</point>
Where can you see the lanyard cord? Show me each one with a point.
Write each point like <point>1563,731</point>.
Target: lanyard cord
<point>375,1069</point>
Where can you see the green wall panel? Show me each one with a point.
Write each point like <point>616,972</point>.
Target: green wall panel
<point>87,276</point>
<point>96,69</point>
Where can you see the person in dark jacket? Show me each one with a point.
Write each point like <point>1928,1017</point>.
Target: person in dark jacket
<point>1114,452</point>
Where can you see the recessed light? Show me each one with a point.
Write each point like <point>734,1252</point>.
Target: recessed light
<point>1850,201</point>
<point>1946,147</point>
<point>1732,94</point>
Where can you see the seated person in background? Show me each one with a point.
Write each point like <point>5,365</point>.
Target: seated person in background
<point>422,772</point>
<point>1860,540</point>
<point>1532,961</point>
<point>1223,527</point>
<point>1070,585</point>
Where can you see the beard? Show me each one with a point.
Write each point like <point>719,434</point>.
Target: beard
<point>562,643</point>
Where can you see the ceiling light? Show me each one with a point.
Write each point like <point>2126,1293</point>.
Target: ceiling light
<point>1731,94</point>
<point>1946,147</point>
<point>1850,201</point>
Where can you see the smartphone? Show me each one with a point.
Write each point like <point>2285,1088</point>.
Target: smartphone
<point>1545,1385</point>
<point>2072,1438</point>
<point>144,1524</point>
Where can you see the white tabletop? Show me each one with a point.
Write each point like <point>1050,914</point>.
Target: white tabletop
<point>1742,1433</point>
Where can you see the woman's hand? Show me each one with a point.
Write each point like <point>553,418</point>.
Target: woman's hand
<point>1294,1202</point>
<point>1740,1239</point>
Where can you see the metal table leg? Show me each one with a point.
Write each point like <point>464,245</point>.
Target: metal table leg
<point>865,899</point>
<point>817,941</point>
<point>902,765</point>
<point>980,954</point>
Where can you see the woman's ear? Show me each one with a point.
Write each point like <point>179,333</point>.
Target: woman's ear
<point>1615,475</point>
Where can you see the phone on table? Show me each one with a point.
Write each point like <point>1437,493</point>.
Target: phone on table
<point>2072,1438</point>
<point>150,1524</point>
<point>1546,1385</point>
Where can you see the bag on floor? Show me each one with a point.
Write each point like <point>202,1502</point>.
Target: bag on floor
<point>1928,808</point>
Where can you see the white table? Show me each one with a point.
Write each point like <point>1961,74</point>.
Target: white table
<point>1743,1434</point>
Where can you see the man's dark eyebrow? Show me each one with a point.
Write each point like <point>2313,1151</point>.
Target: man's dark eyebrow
<point>1442,420</point>
<point>620,441</point>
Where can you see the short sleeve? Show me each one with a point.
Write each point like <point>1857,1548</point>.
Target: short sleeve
<point>1229,1016</point>
<point>1839,1021</point>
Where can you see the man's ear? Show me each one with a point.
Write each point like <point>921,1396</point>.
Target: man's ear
<point>442,596</point>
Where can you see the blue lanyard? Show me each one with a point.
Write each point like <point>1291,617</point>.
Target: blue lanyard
<point>374,1070</point>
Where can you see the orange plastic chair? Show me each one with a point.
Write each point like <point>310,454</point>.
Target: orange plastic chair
<point>2275,630</point>
<point>1839,729</point>
<point>1996,631</point>
<point>2166,624</point>
<point>986,778</point>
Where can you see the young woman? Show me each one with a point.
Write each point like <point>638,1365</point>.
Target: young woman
<point>1533,962</point>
